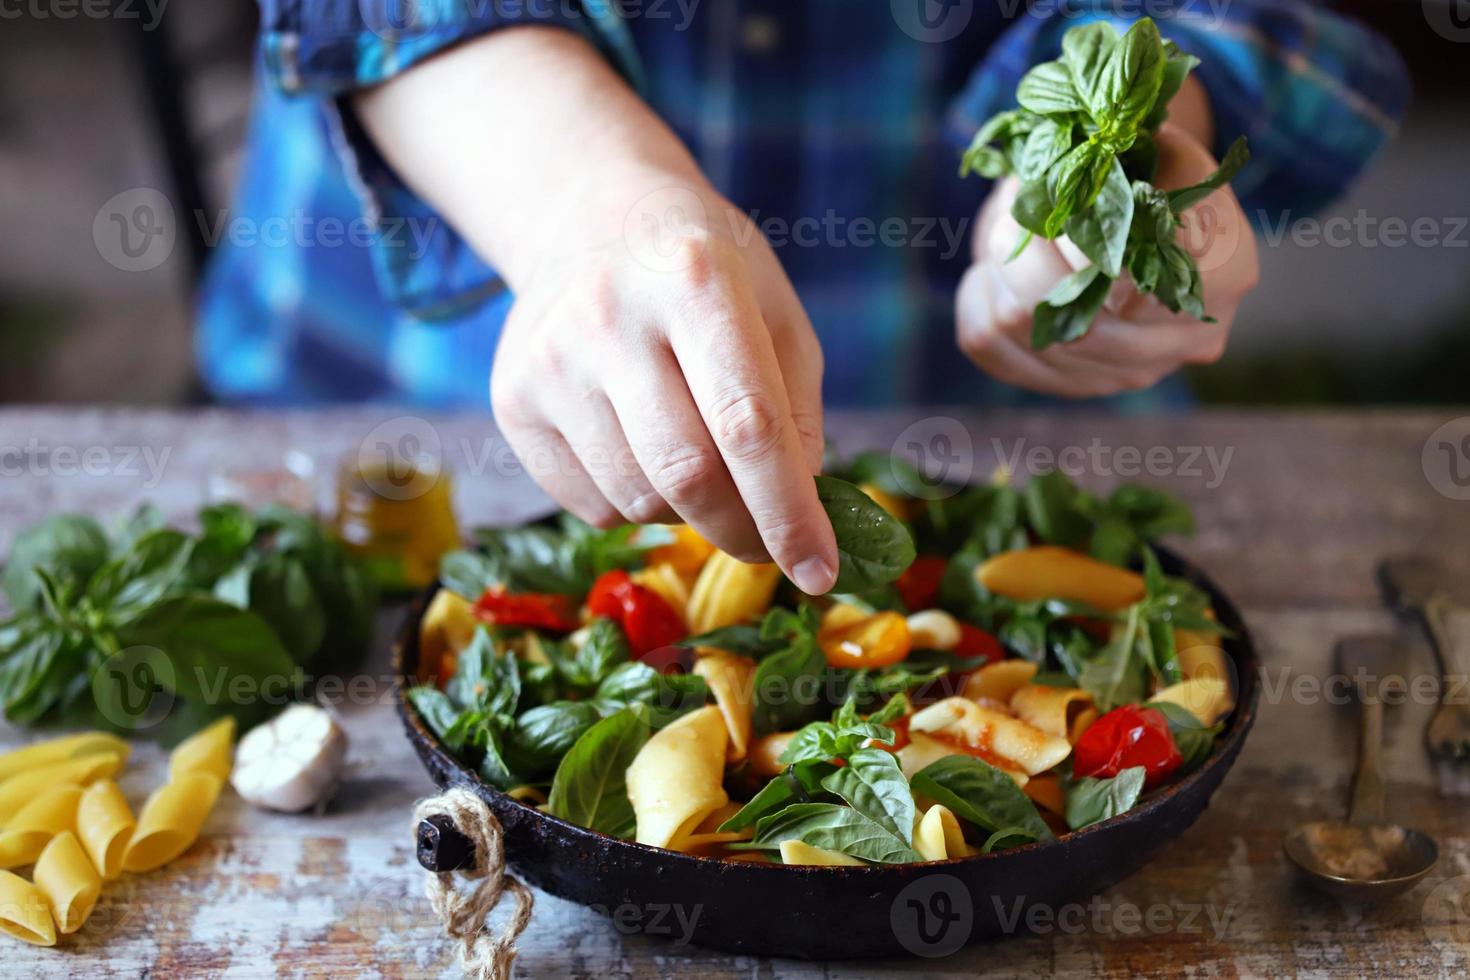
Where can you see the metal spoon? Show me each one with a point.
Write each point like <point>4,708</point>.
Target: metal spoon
<point>1365,859</point>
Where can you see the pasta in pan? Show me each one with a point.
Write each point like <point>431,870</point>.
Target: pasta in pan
<point>27,833</point>
<point>25,912</point>
<point>105,825</point>
<point>65,875</point>
<point>1004,689</point>
<point>170,820</point>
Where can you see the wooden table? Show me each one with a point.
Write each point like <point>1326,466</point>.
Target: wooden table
<point>1293,515</point>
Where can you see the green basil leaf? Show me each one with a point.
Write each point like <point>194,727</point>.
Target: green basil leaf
<point>1054,509</point>
<point>282,594</point>
<point>1006,837</point>
<point>1101,232</point>
<point>604,649</point>
<point>544,734</point>
<point>1194,739</point>
<point>1046,144</point>
<point>71,546</point>
<point>1089,801</point>
<point>1130,82</point>
<point>143,520</point>
<point>799,783</point>
<point>210,644</point>
<point>468,573</point>
<point>1086,51</point>
<point>1047,89</point>
<point>786,687</point>
<point>873,785</point>
<point>1236,157</point>
<point>485,680</point>
<point>742,638</point>
<point>590,787</point>
<point>1176,70</point>
<point>1116,675</point>
<point>435,708</point>
<point>148,570</point>
<point>226,531</point>
<point>835,828</point>
<point>980,793</point>
<point>873,547</point>
<point>1075,183</point>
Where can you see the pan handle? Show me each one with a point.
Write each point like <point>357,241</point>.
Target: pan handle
<point>441,846</point>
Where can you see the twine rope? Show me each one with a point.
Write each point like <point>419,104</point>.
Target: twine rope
<point>484,954</point>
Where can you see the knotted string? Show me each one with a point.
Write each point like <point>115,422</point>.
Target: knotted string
<point>483,954</point>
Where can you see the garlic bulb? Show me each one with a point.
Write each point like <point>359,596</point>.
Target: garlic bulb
<point>292,762</point>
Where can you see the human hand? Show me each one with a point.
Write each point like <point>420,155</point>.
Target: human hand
<point>665,370</point>
<point>1135,341</point>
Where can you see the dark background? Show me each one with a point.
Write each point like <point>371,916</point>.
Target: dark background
<point>90,107</point>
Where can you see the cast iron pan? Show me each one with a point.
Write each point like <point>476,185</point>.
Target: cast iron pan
<point>929,909</point>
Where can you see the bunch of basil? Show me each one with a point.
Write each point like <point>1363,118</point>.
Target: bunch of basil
<point>1082,144</point>
<point>236,611</point>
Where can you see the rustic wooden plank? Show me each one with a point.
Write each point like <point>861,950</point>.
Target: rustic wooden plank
<point>1305,506</point>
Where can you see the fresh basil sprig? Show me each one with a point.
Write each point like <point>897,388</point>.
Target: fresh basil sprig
<point>1082,144</point>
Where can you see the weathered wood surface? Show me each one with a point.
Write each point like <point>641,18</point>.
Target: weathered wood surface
<point>1291,527</point>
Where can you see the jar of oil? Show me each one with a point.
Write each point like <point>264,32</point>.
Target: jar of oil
<point>396,513</point>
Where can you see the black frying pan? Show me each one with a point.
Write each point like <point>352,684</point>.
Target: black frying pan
<point>929,908</point>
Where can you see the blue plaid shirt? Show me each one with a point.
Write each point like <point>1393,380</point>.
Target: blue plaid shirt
<point>837,124</point>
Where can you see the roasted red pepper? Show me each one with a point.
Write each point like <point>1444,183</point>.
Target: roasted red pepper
<point>975,642</point>
<point>1133,735</point>
<point>532,610</point>
<point>647,620</point>
<point>918,586</point>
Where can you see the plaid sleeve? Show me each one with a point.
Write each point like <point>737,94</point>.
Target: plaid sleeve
<point>1317,94</point>
<point>326,49</point>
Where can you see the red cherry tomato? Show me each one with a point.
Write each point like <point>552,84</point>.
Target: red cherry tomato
<point>918,586</point>
<point>532,610</point>
<point>975,642</point>
<point>647,620</point>
<point>1133,735</point>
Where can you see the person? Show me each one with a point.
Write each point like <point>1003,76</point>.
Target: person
<point>678,229</point>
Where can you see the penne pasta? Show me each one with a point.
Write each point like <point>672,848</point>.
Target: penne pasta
<point>65,875</point>
<point>1005,741</point>
<point>1051,709</point>
<point>53,750</point>
<point>210,750</point>
<point>798,852</point>
<point>677,778</point>
<point>938,837</point>
<point>732,681</point>
<point>1207,698</point>
<point>24,911</point>
<point>19,790</point>
<point>105,825</point>
<point>170,820</point>
<point>26,834</point>
<point>999,681</point>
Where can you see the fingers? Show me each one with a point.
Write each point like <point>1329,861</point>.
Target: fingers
<point>728,359</point>
<point>799,357</point>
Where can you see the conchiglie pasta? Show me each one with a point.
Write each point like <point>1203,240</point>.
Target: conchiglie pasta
<point>171,820</point>
<point>999,681</point>
<point>938,837</point>
<point>65,875</point>
<point>19,790</point>
<point>1051,709</point>
<point>731,680</point>
<point>800,852</point>
<point>53,750</point>
<point>25,912</point>
<point>677,778</point>
<point>105,825</point>
<point>209,750</point>
<point>26,834</point>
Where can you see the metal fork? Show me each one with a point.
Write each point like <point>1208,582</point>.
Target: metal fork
<point>1413,586</point>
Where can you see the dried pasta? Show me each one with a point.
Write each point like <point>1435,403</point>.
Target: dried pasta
<point>105,825</point>
<point>65,875</point>
<point>46,753</point>
<point>26,834</point>
<point>170,820</point>
<point>210,750</point>
<point>25,912</point>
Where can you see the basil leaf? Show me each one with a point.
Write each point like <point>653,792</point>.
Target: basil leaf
<point>543,735</point>
<point>1086,51</point>
<point>210,645</point>
<point>1031,209</point>
<point>1179,286</point>
<point>486,680</point>
<point>1046,144</point>
<point>835,828</point>
<point>873,785</point>
<point>468,573</point>
<point>1176,69</point>
<point>71,546</point>
<point>668,696</point>
<point>435,708</point>
<point>281,593</point>
<point>590,788</point>
<point>1194,740</point>
<point>1130,82</point>
<point>1006,837</point>
<point>799,783</point>
<point>1047,89</point>
<point>1236,157</point>
<point>1075,183</point>
<point>980,793</point>
<point>873,547</point>
<point>1069,309</point>
<point>742,638</point>
<point>786,687</point>
<point>1101,232</point>
<point>143,520</point>
<point>149,569</point>
<point>1089,801</point>
<point>1053,509</point>
<point>1116,675</point>
<point>603,649</point>
<point>226,531</point>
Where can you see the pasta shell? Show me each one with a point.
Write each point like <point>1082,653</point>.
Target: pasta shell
<point>170,821</point>
<point>66,877</point>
